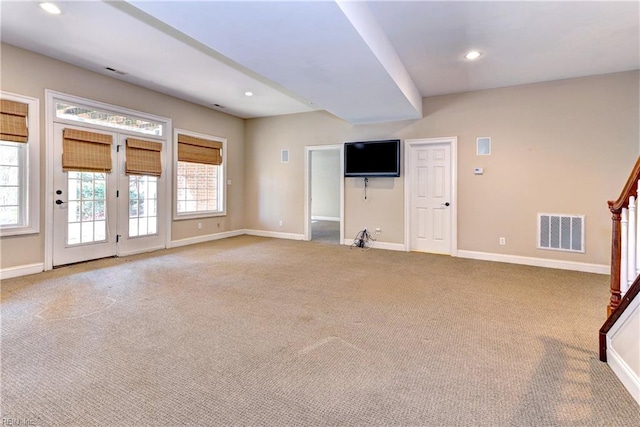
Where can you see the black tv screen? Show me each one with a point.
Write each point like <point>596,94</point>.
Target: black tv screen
<point>372,158</point>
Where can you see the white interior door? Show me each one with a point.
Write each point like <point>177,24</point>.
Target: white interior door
<point>430,198</point>
<point>98,214</point>
<point>84,213</point>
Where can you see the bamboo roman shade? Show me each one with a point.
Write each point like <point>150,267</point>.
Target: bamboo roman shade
<point>199,150</point>
<point>13,121</point>
<point>143,157</point>
<point>86,151</point>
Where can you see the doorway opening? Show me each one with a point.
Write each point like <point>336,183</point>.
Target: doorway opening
<point>324,190</point>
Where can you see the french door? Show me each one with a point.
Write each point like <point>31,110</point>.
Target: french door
<point>99,214</point>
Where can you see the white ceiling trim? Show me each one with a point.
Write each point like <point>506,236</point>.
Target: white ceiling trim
<point>310,48</point>
<point>366,24</point>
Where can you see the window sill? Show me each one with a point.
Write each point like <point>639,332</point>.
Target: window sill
<point>180,217</point>
<point>18,231</point>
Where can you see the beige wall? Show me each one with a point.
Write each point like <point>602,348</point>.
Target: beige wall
<point>29,74</point>
<point>275,191</point>
<point>559,147</point>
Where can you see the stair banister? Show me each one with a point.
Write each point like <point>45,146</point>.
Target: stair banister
<point>620,299</point>
<point>615,207</point>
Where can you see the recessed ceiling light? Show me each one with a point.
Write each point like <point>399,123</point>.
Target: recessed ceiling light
<point>51,8</point>
<point>474,54</point>
<point>248,93</point>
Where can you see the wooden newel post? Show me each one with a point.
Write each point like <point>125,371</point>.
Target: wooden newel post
<point>614,301</point>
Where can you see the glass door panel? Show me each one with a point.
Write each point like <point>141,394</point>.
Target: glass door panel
<point>143,203</point>
<point>87,207</point>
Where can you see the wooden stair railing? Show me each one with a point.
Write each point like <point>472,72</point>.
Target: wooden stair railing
<point>617,304</point>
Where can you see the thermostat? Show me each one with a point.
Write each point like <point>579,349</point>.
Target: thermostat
<point>478,171</point>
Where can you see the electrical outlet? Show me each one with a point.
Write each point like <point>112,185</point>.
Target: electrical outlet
<point>280,223</point>
<point>378,230</point>
<point>503,241</point>
<point>199,226</point>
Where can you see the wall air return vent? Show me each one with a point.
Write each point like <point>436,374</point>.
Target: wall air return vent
<point>561,232</point>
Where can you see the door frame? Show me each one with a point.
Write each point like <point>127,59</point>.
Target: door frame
<point>409,144</point>
<point>307,187</point>
<point>167,165</point>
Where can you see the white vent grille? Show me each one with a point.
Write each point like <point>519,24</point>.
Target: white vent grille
<point>561,232</point>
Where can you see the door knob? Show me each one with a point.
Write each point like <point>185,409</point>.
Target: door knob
<point>445,204</point>
<point>59,202</point>
<point>58,192</point>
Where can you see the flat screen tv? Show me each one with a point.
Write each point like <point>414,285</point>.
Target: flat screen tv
<point>372,158</point>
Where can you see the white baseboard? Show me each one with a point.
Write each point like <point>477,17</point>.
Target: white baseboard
<point>23,270</point>
<point>627,377</point>
<point>205,238</point>
<point>537,262</point>
<point>275,234</point>
<point>8,273</point>
<point>388,246</point>
<point>325,218</point>
<point>380,245</point>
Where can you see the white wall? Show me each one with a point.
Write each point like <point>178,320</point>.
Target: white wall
<point>623,348</point>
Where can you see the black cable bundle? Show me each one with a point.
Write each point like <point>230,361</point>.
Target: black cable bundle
<point>363,240</point>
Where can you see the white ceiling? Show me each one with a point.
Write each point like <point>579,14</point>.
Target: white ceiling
<point>362,61</point>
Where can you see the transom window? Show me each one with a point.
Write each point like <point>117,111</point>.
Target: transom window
<point>65,110</point>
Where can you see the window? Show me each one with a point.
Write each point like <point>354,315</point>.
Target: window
<point>197,188</point>
<point>77,113</point>
<point>19,164</point>
<point>11,194</point>
<point>200,175</point>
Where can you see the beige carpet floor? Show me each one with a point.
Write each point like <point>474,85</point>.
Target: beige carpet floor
<point>256,331</point>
